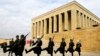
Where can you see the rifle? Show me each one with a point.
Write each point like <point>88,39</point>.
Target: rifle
<point>42,36</point>
<point>27,34</point>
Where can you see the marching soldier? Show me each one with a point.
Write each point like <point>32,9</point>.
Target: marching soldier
<point>71,45</point>
<point>49,49</point>
<point>21,44</point>
<point>36,49</point>
<point>78,47</point>
<point>62,47</point>
<point>14,47</point>
<point>10,46</point>
<point>4,46</point>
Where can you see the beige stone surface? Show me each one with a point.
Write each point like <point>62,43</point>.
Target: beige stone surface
<point>90,38</point>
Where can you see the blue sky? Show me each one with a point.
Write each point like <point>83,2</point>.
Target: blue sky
<point>16,15</point>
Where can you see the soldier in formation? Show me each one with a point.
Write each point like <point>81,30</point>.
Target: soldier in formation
<point>10,46</point>
<point>71,47</point>
<point>50,47</point>
<point>62,47</point>
<point>37,49</point>
<point>78,47</point>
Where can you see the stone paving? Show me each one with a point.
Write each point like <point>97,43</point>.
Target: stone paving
<point>44,53</point>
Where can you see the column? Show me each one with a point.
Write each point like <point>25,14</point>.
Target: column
<point>66,21</point>
<point>83,21</point>
<point>45,26</point>
<point>73,19</point>
<point>37,28</point>
<point>55,24</point>
<point>92,23</point>
<point>89,22</point>
<point>41,28</point>
<point>86,21</point>
<point>50,25</point>
<point>60,23</point>
<point>79,20</point>
<point>32,30</point>
<point>95,22</point>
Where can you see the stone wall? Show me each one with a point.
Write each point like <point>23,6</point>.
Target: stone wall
<point>90,38</point>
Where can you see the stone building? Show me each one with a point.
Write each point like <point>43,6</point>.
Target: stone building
<point>71,16</point>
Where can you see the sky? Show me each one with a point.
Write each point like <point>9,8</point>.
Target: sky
<point>16,15</point>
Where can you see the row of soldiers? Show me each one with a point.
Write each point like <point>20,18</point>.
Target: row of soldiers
<point>50,48</point>
<point>18,45</point>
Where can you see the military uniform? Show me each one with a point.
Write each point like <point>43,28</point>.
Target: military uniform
<point>36,49</point>
<point>62,47</point>
<point>78,47</point>
<point>71,45</point>
<point>49,49</point>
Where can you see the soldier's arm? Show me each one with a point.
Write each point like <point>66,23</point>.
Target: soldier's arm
<point>65,44</point>
<point>35,43</point>
<point>80,45</point>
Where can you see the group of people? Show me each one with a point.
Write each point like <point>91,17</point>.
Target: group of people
<point>50,48</point>
<point>18,45</point>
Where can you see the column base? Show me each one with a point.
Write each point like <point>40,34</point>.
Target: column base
<point>65,30</point>
<point>55,31</point>
<point>78,28</point>
<point>95,25</point>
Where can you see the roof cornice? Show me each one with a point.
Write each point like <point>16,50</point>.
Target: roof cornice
<point>68,4</point>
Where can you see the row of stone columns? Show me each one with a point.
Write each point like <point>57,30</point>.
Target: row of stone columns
<point>84,21</point>
<point>40,27</point>
<point>77,19</point>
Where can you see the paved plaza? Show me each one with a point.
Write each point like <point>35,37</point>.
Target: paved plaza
<point>44,53</point>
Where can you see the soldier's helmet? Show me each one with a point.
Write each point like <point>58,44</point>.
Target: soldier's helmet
<point>71,39</point>
<point>22,36</point>
<point>17,36</point>
<point>49,38</point>
<point>63,39</point>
